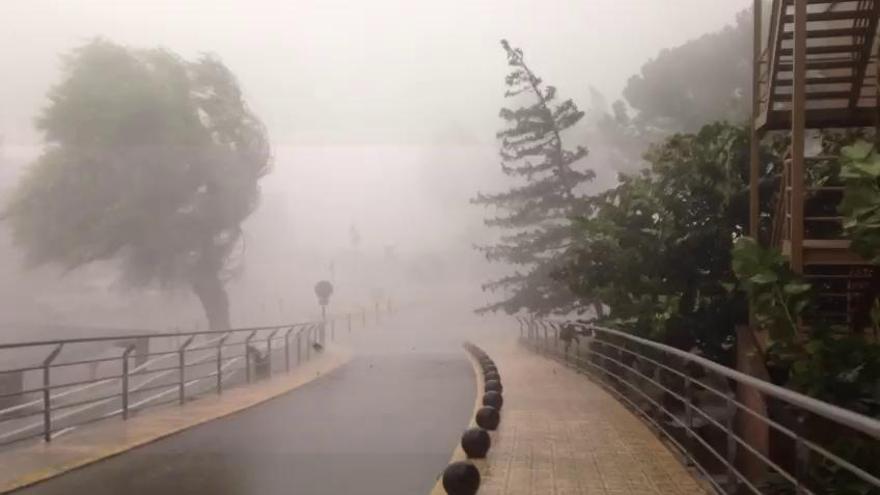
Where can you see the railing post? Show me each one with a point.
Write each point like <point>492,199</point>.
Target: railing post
<point>269,350</point>
<point>181,390</point>
<point>333,329</point>
<point>287,349</point>
<point>689,418</point>
<point>309,337</point>
<point>376,304</point>
<point>546,337</point>
<point>47,397</point>
<point>802,457</point>
<point>247,356</point>
<point>657,377</point>
<point>299,345</point>
<point>732,480</point>
<point>220,363</point>
<point>125,384</point>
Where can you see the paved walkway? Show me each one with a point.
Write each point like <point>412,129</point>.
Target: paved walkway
<point>561,434</point>
<point>384,422</point>
<point>32,462</point>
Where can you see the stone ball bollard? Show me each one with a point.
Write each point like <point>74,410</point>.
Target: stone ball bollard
<point>475,442</point>
<point>492,375</point>
<point>493,399</point>
<point>488,418</point>
<point>461,478</point>
<point>493,386</point>
<point>490,368</point>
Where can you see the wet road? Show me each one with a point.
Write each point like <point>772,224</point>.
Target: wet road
<point>385,423</point>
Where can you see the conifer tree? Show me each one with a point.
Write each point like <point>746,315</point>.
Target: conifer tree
<point>534,213</point>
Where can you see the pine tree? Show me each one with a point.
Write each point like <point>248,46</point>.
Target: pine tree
<point>535,213</point>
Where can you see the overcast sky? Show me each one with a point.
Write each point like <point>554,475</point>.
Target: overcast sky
<point>359,71</point>
<point>382,113</point>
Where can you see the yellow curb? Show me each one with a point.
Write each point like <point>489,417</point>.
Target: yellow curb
<point>234,401</point>
<point>458,454</point>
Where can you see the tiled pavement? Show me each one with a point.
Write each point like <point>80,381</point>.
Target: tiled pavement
<point>561,434</point>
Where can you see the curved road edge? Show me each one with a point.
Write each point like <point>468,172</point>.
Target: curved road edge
<point>458,454</point>
<point>33,463</point>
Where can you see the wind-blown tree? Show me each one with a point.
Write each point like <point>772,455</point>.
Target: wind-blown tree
<point>704,80</point>
<point>149,160</point>
<point>656,249</point>
<point>534,214</point>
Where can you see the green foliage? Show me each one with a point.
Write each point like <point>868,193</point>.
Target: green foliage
<point>703,80</point>
<point>149,159</point>
<point>777,297</point>
<point>534,213</point>
<point>656,249</point>
<point>827,362</point>
<point>860,207</point>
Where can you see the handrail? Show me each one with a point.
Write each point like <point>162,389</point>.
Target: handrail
<point>645,368</point>
<point>864,424</point>
<point>84,396</point>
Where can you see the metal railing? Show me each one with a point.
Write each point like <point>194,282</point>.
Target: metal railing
<point>703,409</point>
<point>54,389</point>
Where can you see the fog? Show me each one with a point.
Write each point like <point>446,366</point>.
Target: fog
<point>382,118</point>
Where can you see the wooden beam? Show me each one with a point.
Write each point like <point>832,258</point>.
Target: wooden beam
<point>828,33</point>
<point>833,15</point>
<point>754,149</point>
<point>819,80</point>
<point>816,95</point>
<point>822,65</point>
<point>864,57</point>
<point>798,125</point>
<point>822,118</point>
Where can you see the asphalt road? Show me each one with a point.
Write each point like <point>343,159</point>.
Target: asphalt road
<point>386,423</point>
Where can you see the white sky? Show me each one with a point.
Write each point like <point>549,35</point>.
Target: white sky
<point>388,71</point>
<point>363,98</point>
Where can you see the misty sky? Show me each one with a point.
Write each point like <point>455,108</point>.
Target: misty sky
<point>382,113</point>
<point>356,71</point>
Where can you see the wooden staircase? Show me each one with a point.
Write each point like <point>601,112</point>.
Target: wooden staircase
<point>817,68</point>
<point>845,284</point>
<point>840,60</point>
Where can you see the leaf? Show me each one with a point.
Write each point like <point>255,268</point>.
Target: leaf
<point>795,288</point>
<point>857,151</point>
<point>762,278</point>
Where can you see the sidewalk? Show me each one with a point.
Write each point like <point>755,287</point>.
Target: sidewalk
<point>562,434</point>
<point>32,462</point>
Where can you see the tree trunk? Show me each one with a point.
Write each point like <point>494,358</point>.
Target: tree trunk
<point>209,288</point>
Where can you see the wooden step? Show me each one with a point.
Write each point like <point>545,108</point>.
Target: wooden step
<point>816,95</point>
<point>823,50</point>
<point>821,65</point>
<point>834,15</point>
<point>818,2</point>
<point>827,252</point>
<point>829,33</point>
<point>818,80</point>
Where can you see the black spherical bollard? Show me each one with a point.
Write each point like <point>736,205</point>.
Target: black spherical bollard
<point>475,442</point>
<point>490,368</point>
<point>488,418</point>
<point>492,375</point>
<point>493,386</point>
<point>493,399</point>
<point>461,478</point>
